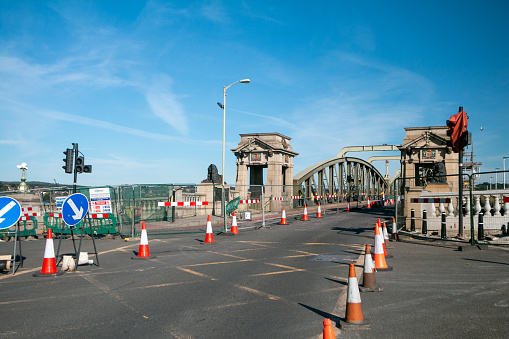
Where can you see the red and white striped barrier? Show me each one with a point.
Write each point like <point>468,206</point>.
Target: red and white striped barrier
<point>332,196</point>
<point>32,214</point>
<point>26,209</point>
<point>55,215</point>
<point>182,203</point>
<point>98,216</point>
<point>430,200</point>
<point>297,197</point>
<point>278,198</point>
<point>24,218</point>
<point>250,201</point>
<point>317,197</point>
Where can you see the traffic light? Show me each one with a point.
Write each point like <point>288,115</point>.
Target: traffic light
<point>68,160</point>
<point>81,167</point>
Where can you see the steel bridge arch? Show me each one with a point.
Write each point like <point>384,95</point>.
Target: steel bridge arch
<point>346,177</point>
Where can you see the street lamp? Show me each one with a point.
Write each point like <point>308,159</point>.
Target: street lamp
<point>496,177</point>
<point>503,160</point>
<point>223,106</point>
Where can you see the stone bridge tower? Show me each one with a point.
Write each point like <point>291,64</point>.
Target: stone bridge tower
<point>256,152</point>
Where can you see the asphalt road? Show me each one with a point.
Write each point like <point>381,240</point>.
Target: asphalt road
<point>268,283</point>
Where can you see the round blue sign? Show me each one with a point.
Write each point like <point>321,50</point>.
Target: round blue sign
<point>74,208</point>
<point>10,212</point>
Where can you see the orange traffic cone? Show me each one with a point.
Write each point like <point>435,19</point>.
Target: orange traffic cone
<point>379,256</point>
<point>348,207</point>
<point>319,212</point>
<point>369,204</point>
<point>143,251</point>
<point>305,215</point>
<point>49,265</point>
<point>368,277</point>
<point>283,217</point>
<point>209,237</point>
<point>328,331</point>
<point>235,229</point>
<point>353,302</point>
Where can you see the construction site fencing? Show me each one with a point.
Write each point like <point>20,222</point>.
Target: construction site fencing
<point>431,205</point>
<point>169,208</point>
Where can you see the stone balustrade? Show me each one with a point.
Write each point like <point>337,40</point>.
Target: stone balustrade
<point>490,203</point>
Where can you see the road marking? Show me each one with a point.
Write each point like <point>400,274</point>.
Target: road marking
<point>290,270</point>
<point>260,293</point>
<point>167,284</point>
<point>217,263</point>
<point>195,273</point>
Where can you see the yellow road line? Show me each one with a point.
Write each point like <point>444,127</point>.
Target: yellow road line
<point>260,293</point>
<point>195,273</point>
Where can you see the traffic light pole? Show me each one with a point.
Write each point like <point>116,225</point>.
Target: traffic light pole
<point>460,189</point>
<point>75,148</point>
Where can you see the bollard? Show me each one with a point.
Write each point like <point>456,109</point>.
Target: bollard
<point>443,233</point>
<point>424,222</point>
<point>412,220</point>
<point>480,227</point>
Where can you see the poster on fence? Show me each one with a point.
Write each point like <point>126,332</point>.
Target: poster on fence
<point>100,201</point>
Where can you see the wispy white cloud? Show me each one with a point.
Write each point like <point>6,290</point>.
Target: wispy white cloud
<point>165,104</point>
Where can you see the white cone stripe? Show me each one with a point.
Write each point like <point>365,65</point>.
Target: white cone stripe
<point>368,264</point>
<point>386,236</point>
<point>234,220</point>
<point>144,238</point>
<point>284,214</point>
<point>378,244</point>
<point>353,295</point>
<point>49,251</point>
<point>209,227</point>
<point>394,228</point>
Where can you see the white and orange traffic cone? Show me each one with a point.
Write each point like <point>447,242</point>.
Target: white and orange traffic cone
<point>49,265</point>
<point>209,236</point>
<point>368,277</point>
<point>305,215</point>
<point>394,234</point>
<point>348,207</point>
<point>386,235</point>
<point>369,204</point>
<point>328,330</point>
<point>235,229</point>
<point>143,250</point>
<point>283,217</point>
<point>354,313</point>
<point>319,212</point>
<point>379,255</point>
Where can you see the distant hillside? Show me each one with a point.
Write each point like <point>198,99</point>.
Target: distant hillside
<point>13,185</point>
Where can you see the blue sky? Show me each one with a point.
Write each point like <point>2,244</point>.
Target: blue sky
<point>135,83</point>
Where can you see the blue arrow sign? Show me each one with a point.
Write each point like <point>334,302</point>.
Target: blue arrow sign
<point>74,209</point>
<point>10,211</point>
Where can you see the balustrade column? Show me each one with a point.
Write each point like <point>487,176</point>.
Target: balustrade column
<point>467,206</point>
<point>441,208</point>
<point>433,210</point>
<point>506,206</point>
<point>450,209</point>
<point>487,207</point>
<point>477,205</point>
<point>496,207</point>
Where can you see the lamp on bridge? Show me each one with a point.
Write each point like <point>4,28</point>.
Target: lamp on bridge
<point>223,106</point>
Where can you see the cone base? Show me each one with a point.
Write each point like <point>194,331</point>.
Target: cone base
<point>355,326</point>
<point>39,274</point>
<point>305,218</point>
<point>283,222</point>
<point>141,258</point>
<point>235,230</point>
<point>388,268</point>
<point>371,289</point>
